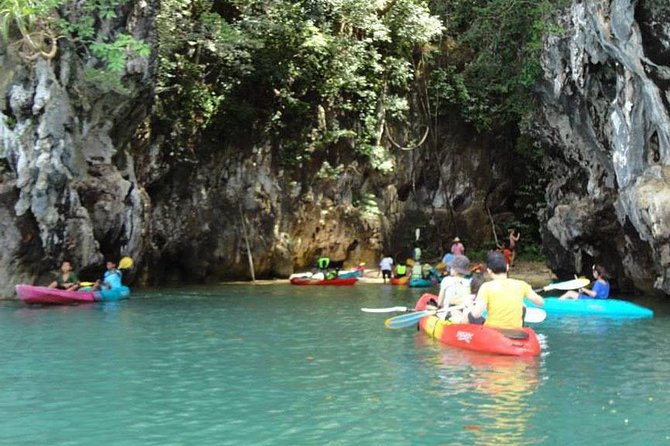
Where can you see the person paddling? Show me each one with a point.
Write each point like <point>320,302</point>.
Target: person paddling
<point>601,287</point>
<point>455,289</point>
<point>502,297</point>
<point>111,278</point>
<point>66,279</point>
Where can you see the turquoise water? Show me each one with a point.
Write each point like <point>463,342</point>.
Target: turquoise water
<point>285,365</point>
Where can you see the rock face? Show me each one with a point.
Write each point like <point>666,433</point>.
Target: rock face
<point>606,120</point>
<point>68,189</point>
<point>202,214</point>
<point>86,175</point>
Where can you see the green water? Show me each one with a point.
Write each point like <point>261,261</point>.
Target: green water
<point>283,365</point>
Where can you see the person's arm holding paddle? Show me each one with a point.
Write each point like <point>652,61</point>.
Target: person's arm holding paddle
<point>532,296</point>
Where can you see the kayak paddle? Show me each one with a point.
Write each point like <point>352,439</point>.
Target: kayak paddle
<point>406,320</point>
<point>385,310</point>
<point>533,316</point>
<point>564,286</point>
<point>124,263</point>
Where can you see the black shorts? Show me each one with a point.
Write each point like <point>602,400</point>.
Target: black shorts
<point>386,273</point>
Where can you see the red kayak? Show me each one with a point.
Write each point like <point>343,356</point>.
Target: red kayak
<point>481,338</point>
<point>400,280</point>
<point>335,282</point>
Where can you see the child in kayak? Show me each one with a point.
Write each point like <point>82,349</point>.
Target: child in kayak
<point>601,287</point>
<point>111,279</point>
<point>66,279</point>
<point>455,289</point>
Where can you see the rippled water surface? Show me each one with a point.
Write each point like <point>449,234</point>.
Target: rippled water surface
<point>284,365</point>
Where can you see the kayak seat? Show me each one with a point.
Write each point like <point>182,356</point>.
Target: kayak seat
<point>513,333</point>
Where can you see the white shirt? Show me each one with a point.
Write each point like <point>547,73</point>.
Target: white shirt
<point>386,264</point>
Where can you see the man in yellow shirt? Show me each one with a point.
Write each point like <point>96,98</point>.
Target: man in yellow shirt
<point>502,297</point>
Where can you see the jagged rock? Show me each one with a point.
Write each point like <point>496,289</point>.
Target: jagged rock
<point>66,190</point>
<point>606,121</point>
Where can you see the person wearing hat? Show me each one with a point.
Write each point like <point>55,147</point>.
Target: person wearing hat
<point>457,247</point>
<point>455,289</point>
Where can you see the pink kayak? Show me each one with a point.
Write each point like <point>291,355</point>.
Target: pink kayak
<point>42,295</point>
<point>336,282</point>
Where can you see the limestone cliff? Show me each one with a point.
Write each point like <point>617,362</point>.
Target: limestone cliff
<point>605,102</point>
<point>67,187</point>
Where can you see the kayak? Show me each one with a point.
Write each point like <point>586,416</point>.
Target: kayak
<point>420,283</point>
<point>481,338</point>
<point>594,307</point>
<point>42,295</point>
<point>349,274</point>
<point>337,281</point>
<point>400,280</point>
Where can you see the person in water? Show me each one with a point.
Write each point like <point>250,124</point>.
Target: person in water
<point>455,289</point>
<point>600,290</point>
<point>111,278</point>
<point>66,279</point>
<point>502,297</point>
<point>386,267</point>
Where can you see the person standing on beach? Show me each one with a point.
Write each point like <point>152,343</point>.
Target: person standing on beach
<point>457,247</point>
<point>386,267</point>
<point>513,240</point>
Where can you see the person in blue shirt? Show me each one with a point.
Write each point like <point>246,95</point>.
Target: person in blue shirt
<point>111,279</point>
<point>600,290</point>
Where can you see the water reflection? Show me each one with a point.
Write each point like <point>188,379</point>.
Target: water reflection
<point>495,392</point>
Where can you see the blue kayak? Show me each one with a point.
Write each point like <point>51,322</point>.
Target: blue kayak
<point>349,274</point>
<point>593,307</point>
<point>120,293</point>
<point>420,283</point>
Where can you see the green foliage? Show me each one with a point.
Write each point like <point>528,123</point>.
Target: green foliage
<point>329,172</point>
<point>314,76</point>
<point>114,54</point>
<point>368,205</point>
<point>34,26</point>
<point>20,18</point>
<point>531,251</point>
<point>490,57</point>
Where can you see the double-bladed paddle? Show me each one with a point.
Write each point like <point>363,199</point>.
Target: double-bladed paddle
<point>565,286</point>
<point>124,263</point>
<point>533,316</point>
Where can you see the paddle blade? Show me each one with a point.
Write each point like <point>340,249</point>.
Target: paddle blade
<point>407,320</point>
<point>86,284</point>
<point>125,263</point>
<point>535,315</point>
<point>568,285</point>
<point>384,310</point>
